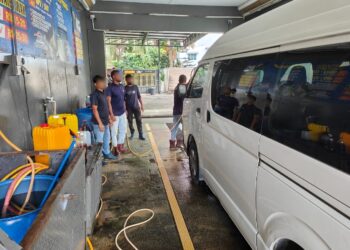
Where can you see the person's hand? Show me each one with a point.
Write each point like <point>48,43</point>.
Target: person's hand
<point>101,127</point>
<point>113,118</point>
<point>142,109</point>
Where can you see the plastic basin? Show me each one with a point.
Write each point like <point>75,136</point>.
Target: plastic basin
<point>16,227</point>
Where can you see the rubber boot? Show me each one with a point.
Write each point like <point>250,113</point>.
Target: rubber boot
<point>121,149</point>
<point>131,136</point>
<point>179,143</point>
<point>172,144</point>
<point>115,151</point>
<point>141,137</point>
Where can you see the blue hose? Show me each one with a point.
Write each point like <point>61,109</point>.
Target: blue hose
<point>59,171</point>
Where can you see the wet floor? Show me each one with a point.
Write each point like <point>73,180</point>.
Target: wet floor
<point>135,183</point>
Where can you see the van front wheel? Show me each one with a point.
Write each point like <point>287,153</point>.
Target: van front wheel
<point>193,162</point>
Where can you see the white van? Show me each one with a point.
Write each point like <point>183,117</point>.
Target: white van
<point>267,126</point>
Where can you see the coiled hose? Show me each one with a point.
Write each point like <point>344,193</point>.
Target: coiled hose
<point>31,184</point>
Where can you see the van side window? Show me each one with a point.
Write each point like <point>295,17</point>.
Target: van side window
<point>310,105</point>
<point>240,89</point>
<point>198,81</point>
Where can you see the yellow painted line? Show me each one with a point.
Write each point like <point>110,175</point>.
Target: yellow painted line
<point>148,128</point>
<point>185,238</point>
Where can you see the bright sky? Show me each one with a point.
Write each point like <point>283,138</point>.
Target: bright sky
<point>203,44</point>
<point>208,40</point>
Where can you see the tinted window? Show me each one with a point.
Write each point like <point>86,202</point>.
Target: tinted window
<point>309,105</point>
<point>198,82</point>
<point>302,100</point>
<point>240,89</point>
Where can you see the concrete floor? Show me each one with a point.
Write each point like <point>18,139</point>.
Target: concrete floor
<point>135,183</point>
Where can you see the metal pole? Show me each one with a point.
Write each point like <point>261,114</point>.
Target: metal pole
<point>158,66</point>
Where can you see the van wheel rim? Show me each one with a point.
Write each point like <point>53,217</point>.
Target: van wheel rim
<point>193,163</point>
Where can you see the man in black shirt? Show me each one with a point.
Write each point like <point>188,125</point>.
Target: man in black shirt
<point>179,96</point>
<point>134,106</point>
<point>100,118</point>
<point>227,104</point>
<point>249,115</point>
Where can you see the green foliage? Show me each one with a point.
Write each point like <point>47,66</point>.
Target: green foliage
<point>141,57</point>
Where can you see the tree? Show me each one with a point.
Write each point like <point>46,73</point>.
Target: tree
<point>140,57</point>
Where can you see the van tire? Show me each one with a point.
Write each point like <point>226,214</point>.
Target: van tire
<point>193,162</point>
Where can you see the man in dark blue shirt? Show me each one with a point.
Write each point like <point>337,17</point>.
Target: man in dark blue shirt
<point>249,115</point>
<point>179,96</point>
<point>134,106</point>
<point>226,104</point>
<point>101,117</point>
<point>116,103</point>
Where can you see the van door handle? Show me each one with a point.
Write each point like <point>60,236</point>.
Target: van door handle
<point>208,116</point>
<point>198,110</point>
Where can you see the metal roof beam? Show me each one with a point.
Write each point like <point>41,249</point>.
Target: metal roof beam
<point>146,23</point>
<point>145,8</point>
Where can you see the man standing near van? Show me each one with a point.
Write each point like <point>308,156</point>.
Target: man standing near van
<point>179,96</point>
<point>116,103</point>
<point>134,106</point>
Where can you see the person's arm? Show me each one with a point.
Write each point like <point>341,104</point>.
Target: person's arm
<point>94,104</point>
<point>239,111</point>
<point>238,117</point>
<point>97,117</point>
<point>255,120</point>
<point>140,99</point>
<point>109,102</point>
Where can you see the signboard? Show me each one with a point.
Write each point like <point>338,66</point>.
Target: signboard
<point>5,26</point>
<point>63,27</point>
<point>78,45</point>
<point>35,34</point>
<point>44,28</point>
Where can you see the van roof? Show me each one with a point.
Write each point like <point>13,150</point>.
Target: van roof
<point>294,22</point>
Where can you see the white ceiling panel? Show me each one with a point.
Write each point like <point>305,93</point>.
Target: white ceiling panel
<point>193,2</point>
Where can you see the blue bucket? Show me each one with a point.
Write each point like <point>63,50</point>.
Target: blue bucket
<point>17,226</point>
<point>84,114</point>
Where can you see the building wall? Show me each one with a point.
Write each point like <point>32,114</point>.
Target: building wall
<point>21,97</point>
<point>171,77</point>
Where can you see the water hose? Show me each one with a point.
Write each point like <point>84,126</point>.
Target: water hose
<point>134,152</point>
<point>15,171</point>
<point>31,184</point>
<point>59,171</point>
<point>11,190</point>
<point>175,124</point>
<point>89,243</point>
<point>105,180</point>
<point>99,209</point>
<point>125,227</point>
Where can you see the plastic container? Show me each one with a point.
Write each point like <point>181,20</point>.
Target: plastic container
<point>317,128</point>
<point>84,138</point>
<point>84,116</point>
<point>17,226</point>
<point>46,137</point>
<point>69,120</point>
<point>345,139</point>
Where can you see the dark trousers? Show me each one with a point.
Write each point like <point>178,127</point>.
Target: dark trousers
<point>137,114</point>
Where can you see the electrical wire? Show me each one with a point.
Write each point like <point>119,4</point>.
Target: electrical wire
<point>125,227</point>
